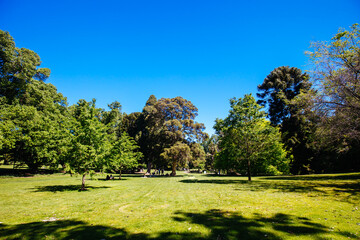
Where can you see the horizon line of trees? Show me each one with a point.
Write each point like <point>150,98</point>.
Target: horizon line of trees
<point>311,122</point>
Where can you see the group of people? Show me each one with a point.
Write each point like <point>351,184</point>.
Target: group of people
<point>155,173</point>
<point>109,177</point>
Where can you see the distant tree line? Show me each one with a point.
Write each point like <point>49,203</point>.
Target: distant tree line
<point>302,122</point>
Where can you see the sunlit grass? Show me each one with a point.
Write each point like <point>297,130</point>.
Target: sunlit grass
<point>191,206</point>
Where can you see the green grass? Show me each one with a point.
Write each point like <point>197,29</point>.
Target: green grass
<point>190,206</point>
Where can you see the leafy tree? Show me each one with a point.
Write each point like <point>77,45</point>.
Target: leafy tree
<point>245,136</point>
<point>335,99</point>
<point>178,155</point>
<point>37,130</point>
<point>33,114</point>
<point>211,147</point>
<point>198,156</point>
<point>123,154</point>
<point>279,87</point>
<point>18,66</point>
<point>277,92</point>
<point>176,117</point>
<point>90,142</point>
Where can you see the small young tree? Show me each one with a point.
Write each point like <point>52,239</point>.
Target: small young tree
<point>123,154</point>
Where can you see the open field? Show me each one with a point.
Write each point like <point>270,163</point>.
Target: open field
<point>190,206</point>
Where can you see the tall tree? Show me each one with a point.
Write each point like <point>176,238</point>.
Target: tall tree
<point>335,100</point>
<point>18,66</point>
<point>178,126</point>
<point>245,136</point>
<point>279,87</point>
<point>277,92</point>
<point>90,142</point>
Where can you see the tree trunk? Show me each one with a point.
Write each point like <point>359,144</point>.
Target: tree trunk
<point>120,175</point>
<point>83,182</point>
<point>149,167</point>
<point>249,170</point>
<point>173,172</point>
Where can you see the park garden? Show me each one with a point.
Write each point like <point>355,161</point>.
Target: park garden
<point>282,166</point>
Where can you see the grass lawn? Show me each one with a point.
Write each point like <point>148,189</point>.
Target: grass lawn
<point>190,206</point>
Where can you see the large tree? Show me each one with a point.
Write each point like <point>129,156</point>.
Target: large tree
<point>18,66</point>
<point>335,101</point>
<point>277,92</point>
<point>177,117</point>
<point>246,137</point>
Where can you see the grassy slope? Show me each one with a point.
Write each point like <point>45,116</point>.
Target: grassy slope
<point>188,207</point>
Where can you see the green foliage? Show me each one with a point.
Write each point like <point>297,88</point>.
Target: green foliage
<point>211,147</point>
<point>123,154</point>
<point>334,103</point>
<point>246,138</point>
<point>278,91</point>
<point>198,156</point>
<point>18,66</point>
<point>90,142</point>
<point>281,86</point>
<point>178,155</point>
<point>36,131</point>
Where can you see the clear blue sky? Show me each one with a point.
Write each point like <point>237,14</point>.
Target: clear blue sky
<point>204,51</point>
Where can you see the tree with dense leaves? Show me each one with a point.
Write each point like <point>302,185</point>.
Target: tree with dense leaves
<point>178,126</point>
<point>90,141</point>
<point>33,114</point>
<point>18,66</point>
<point>279,87</point>
<point>37,131</point>
<point>123,154</point>
<point>277,91</point>
<point>246,137</point>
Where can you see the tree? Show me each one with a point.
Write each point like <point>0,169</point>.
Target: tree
<point>90,142</point>
<point>335,99</point>
<point>123,154</point>
<point>36,131</point>
<point>178,155</point>
<point>245,136</point>
<point>277,92</point>
<point>211,147</point>
<point>279,87</point>
<point>178,126</point>
<point>18,66</point>
<point>198,156</point>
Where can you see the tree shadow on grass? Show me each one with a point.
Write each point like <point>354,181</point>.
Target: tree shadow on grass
<point>63,188</point>
<point>232,225</point>
<point>347,191</point>
<point>221,225</point>
<point>319,177</point>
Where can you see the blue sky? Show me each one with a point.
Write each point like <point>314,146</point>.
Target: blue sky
<point>204,51</point>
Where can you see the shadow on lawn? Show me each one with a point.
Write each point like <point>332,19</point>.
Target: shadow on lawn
<point>63,188</point>
<point>350,191</point>
<point>320,177</point>
<point>221,225</point>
